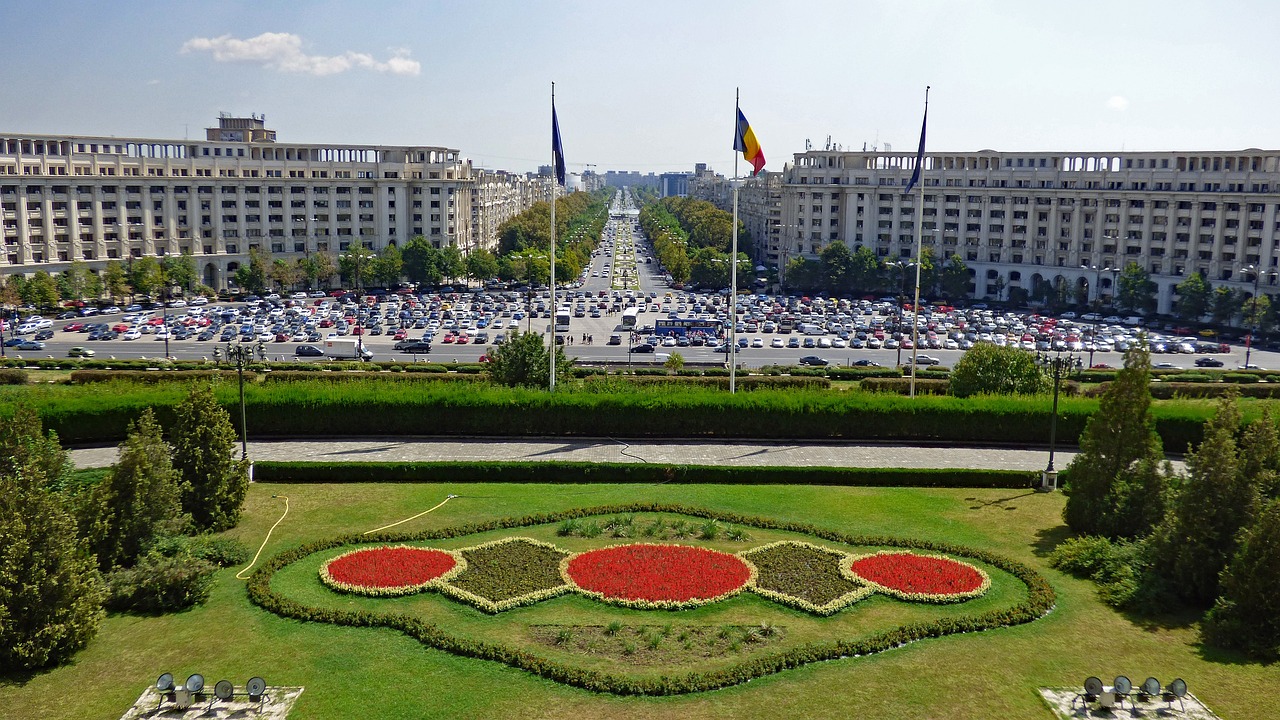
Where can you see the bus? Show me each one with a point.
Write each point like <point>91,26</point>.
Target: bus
<point>562,319</point>
<point>629,317</point>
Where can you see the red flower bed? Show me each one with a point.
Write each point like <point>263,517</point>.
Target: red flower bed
<point>921,577</point>
<point>387,570</point>
<point>645,575</point>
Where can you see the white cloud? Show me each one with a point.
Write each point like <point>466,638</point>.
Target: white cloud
<point>1118,102</point>
<point>283,52</point>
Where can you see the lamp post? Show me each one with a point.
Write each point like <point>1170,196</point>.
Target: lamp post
<point>1097,296</point>
<point>241,354</point>
<point>1058,365</point>
<point>1253,304</point>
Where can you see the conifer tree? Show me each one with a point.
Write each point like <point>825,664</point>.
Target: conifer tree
<point>1116,484</point>
<point>213,483</point>
<point>1260,455</point>
<point>138,500</point>
<point>1247,615</point>
<point>1217,499</point>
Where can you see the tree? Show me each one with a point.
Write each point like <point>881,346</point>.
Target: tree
<point>837,267</point>
<point>421,261</point>
<point>674,363</point>
<point>146,275</point>
<point>955,279</point>
<point>1260,455</point>
<point>1247,614</point>
<point>316,267</point>
<point>990,369</point>
<point>387,267</point>
<point>524,361</point>
<point>252,278</point>
<point>179,270</point>
<point>115,280</point>
<point>212,482</point>
<point>1136,291</point>
<point>40,290</point>
<point>73,283</point>
<point>1257,313</point>
<point>803,274</point>
<point>51,593</point>
<point>1116,484</point>
<point>1216,500</point>
<point>481,265</point>
<point>138,500</point>
<point>1226,304</point>
<point>283,273</point>
<point>451,265</point>
<point>1193,298</point>
<point>865,270</point>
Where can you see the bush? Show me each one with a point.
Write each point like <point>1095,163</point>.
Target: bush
<point>1240,378</point>
<point>1117,567</point>
<point>12,376</point>
<point>220,551</point>
<point>84,377</point>
<point>989,369</point>
<point>160,583</point>
<point>902,385</point>
<point>1247,615</point>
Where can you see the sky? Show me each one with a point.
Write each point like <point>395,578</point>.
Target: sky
<point>649,86</point>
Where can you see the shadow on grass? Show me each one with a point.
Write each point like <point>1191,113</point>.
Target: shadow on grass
<point>1225,656</point>
<point>1178,619</point>
<point>1002,503</point>
<point>1047,539</point>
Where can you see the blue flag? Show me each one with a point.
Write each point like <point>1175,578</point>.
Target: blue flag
<point>556,150</point>
<point>915,176</point>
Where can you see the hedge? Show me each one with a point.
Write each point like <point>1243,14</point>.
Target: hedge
<point>1169,390</point>
<point>13,376</point>
<point>902,385</point>
<point>746,382</point>
<point>398,375</point>
<point>588,472</point>
<point>85,377</point>
<point>1039,601</point>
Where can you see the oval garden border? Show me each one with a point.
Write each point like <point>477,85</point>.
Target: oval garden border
<point>1040,601</point>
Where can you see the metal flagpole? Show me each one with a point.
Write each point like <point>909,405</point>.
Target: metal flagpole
<point>733,265</point>
<point>915,308</point>
<point>555,181</point>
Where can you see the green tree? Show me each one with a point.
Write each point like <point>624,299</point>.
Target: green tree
<point>865,270</point>
<point>524,361</point>
<point>837,267</point>
<point>955,279</point>
<point>355,263</point>
<point>1136,292</point>
<point>51,593</point>
<point>138,500</point>
<point>421,261</point>
<point>1226,304</point>
<point>252,278</point>
<point>1260,455</point>
<point>1193,298</point>
<point>1257,313</point>
<point>990,369</point>
<point>1116,484</point>
<point>40,290</point>
<point>73,283</point>
<point>803,274</point>
<point>179,270</point>
<point>387,268</point>
<point>1247,614</point>
<point>283,273</point>
<point>452,266</point>
<point>318,268</point>
<point>213,483</point>
<point>1215,501</point>
<point>115,280</point>
<point>674,363</point>
<point>481,265</point>
<point>146,276</point>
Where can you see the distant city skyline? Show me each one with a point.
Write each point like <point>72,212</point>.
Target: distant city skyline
<point>652,90</point>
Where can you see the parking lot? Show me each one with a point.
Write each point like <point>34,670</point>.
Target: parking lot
<point>459,323</point>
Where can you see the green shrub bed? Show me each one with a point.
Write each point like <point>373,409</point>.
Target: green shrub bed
<point>555,472</point>
<point>804,576</point>
<point>902,385</point>
<point>86,377</point>
<point>508,573</point>
<point>1039,600</point>
<point>13,376</point>
<point>746,382</point>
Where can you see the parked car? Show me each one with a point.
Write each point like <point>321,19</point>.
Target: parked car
<point>812,360</point>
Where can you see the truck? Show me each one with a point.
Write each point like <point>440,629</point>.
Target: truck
<point>344,349</point>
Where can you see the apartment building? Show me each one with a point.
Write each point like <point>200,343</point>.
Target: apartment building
<point>1020,219</point>
<point>96,199</point>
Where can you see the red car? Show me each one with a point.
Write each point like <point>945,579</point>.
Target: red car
<point>400,335</point>
<point>72,326</point>
<point>448,339</point>
<point>462,339</point>
<point>120,327</point>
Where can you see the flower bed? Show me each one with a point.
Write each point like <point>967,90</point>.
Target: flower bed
<point>390,570</point>
<point>804,576</point>
<point>508,573</point>
<point>648,576</point>
<point>918,578</point>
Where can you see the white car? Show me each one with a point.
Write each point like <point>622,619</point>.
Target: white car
<point>777,343</point>
<point>131,334</point>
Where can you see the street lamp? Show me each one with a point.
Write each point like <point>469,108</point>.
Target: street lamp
<point>903,266</point>
<point>1253,304</point>
<point>1097,296</point>
<point>241,354</point>
<point>1058,365</point>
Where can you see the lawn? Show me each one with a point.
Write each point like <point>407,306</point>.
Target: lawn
<point>349,672</point>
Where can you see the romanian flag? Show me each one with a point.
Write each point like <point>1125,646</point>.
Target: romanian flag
<point>744,141</point>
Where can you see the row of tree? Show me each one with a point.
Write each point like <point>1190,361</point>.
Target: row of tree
<point>144,276</point>
<point>126,541</point>
<point>693,239</point>
<point>840,271</point>
<point>1156,539</point>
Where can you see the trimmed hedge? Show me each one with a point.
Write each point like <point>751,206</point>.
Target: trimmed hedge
<point>85,377</point>
<point>902,385</point>
<point>1039,601</point>
<point>1169,390</point>
<point>588,472</point>
<point>746,382</point>
<point>356,376</point>
<point>13,376</point>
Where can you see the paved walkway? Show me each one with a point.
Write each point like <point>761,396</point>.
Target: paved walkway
<point>606,450</point>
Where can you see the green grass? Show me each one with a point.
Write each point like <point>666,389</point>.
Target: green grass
<point>353,671</point>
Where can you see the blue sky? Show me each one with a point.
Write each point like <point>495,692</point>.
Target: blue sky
<point>649,86</point>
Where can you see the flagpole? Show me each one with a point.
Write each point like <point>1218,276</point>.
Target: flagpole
<point>555,309</point>
<point>733,264</point>
<point>915,309</point>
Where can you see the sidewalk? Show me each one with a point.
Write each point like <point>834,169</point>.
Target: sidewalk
<point>606,450</point>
